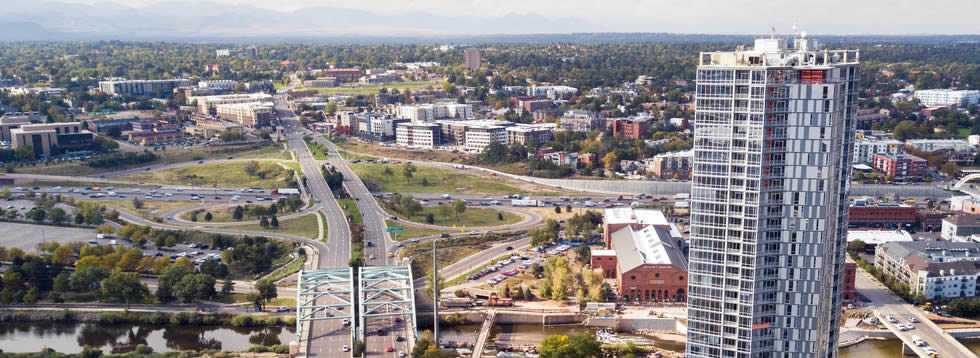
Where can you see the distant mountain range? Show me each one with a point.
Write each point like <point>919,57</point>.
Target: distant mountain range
<point>207,21</point>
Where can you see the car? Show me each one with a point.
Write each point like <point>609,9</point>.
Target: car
<point>200,162</point>
<point>345,348</point>
<point>282,309</point>
<point>146,169</point>
<point>444,235</point>
<point>370,244</point>
<point>401,354</point>
<point>474,233</point>
<point>388,348</point>
<point>391,255</point>
<point>913,319</point>
<point>399,339</point>
<point>398,319</point>
<point>346,322</point>
<point>508,248</point>
<point>891,319</point>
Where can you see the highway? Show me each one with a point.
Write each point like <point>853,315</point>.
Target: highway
<point>375,255</point>
<point>328,338</point>
<point>888,304</point>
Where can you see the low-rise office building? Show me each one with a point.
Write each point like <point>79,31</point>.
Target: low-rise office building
<point>141,87</point>
<point>253,115</point>
<point>936,97</point>
<point>936,269</point>
<point>418,135</point>
<point>649,265</point>
<point>526,133</point>
<point>209,104</point>
<point>887,215</point>
<point>635,128</point>
<point>51,138</point>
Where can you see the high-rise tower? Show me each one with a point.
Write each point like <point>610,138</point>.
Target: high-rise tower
<point>773,142</point>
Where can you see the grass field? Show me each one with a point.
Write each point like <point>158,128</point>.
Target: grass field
<point>323,220</point>
<point>471,217</point>
<point>303,226</point>
<point>349,206</point>
<point>82,184</point>
<point>380,151</point>
<point>81,168</point>
<point>224,175</point>
<point>316,150</point>
<point>150,209</point>
<point>439,180</point>
<point>294,165</point>
<point>295,265</point>
<point>374,88</point>
<point>411,232</point>
<point>220,214</point>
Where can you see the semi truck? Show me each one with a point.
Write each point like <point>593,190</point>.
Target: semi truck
<point>525,202</point>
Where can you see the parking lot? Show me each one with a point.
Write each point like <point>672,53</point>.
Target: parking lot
<point>519,262</point>
<point>27,236</point>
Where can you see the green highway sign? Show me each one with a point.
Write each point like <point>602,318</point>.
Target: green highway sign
<point>394,229</point>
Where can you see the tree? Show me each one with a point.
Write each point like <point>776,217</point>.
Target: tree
<point>557,210</point>
<point>32,296</point>
<point>387,173</point>
<point>208,217</point>
<point>459,207</point>
<point>576,346</point>
<point>857,246</point>
<point>266,289</point>
<point>105,229</point>
<point>87,278</point>
<point>408,171</point>
<point>124,286</point>
<point>194,287</point>
<point>264,223</point>
<point>251,168</point>
<point>58,216</point>
<point>79,218</point>
<point>37,214</point>
<point>238,214</point>
<point>169,278</point>
<point>137,203</point>
<point>583,254</point>
<point>356,260</point>
<point>228,287</point>
<point>63,255</point>
<point>62,283</point>
<point>274,221</point>
<point>331,108</point>
<point>950,169</point>
<point>6,193</point>
<point>905,130</point>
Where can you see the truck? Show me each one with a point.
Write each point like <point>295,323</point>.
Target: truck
<point>525,202</point>
<point>625,197</point>
<point>285,191</point>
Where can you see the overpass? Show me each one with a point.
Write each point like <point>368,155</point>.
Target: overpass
<point>322,295</point>
<point>387,309</point>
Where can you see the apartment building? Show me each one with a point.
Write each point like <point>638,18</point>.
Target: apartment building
<point>674,165</point>
<point>223,85</point>
<point>51,138</point>
<point>937,269</point>
<point>932,145</point>
<point>563,159</point>
<point>418,135</point>
<point>865,149</point>
<point>552,92</point>
<point>480,135</point>
<point>141,87</point>
<point>945,96</point>
<point>900,165</point>
<point>962,228</point>
<point>252,115</point>
<point>525,133</point>
<point>773,145</point>
<point>635,127</point>
<point>432,112</point>
<point>581,123</point>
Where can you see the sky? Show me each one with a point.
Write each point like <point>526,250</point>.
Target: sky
<point>679,16</point>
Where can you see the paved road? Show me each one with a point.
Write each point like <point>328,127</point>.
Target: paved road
<point>180,165</point>
<point>652,187</point>
<point>376,255</point>
<point>888,304</point>
<point>327,337</point>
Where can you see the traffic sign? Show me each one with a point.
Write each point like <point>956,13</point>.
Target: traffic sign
<point>394,229</point>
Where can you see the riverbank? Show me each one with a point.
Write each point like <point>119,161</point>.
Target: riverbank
<point>157,318</point>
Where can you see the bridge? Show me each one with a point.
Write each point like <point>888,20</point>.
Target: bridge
<point>387,309</point>
<point>325,295</point>
<point>481,341</point>
<point>968,178</point>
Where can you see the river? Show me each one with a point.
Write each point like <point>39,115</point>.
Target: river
<point>120,338</point>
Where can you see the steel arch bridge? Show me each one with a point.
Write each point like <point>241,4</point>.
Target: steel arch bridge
<point>387,291</point>
<point>325,294</point>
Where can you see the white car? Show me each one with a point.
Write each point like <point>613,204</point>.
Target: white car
<point>891,319</point>
<point>913,319</point>
<point>345,348</point>
<point>59,188</point>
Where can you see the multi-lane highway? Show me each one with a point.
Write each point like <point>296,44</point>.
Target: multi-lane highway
<point>327,338</point>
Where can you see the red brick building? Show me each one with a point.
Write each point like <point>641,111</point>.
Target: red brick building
<point>536,105</point>
<point>933,220</point>
<point>605,260</point>
<point>635,128</point>
<point>848,289</point>
<point>650,266</point>
<point>900,166</point>
<point>343,74</point>
<point>883,215</point>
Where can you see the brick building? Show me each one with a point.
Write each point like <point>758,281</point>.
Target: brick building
<point>617,218</point>
<point>899,165</point>
<point>650,266</point>
<point>848,289</point>
<point>635,128</point>
<point>883,215</point>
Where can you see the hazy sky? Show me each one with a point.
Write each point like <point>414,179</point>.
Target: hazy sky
<point>697,16</point>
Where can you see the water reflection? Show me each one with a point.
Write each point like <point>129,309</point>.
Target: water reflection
<point>121,338</point>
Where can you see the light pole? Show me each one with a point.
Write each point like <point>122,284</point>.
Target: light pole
<point>435,294</point>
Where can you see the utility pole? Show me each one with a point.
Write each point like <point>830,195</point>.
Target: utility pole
<point>435,294</point>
